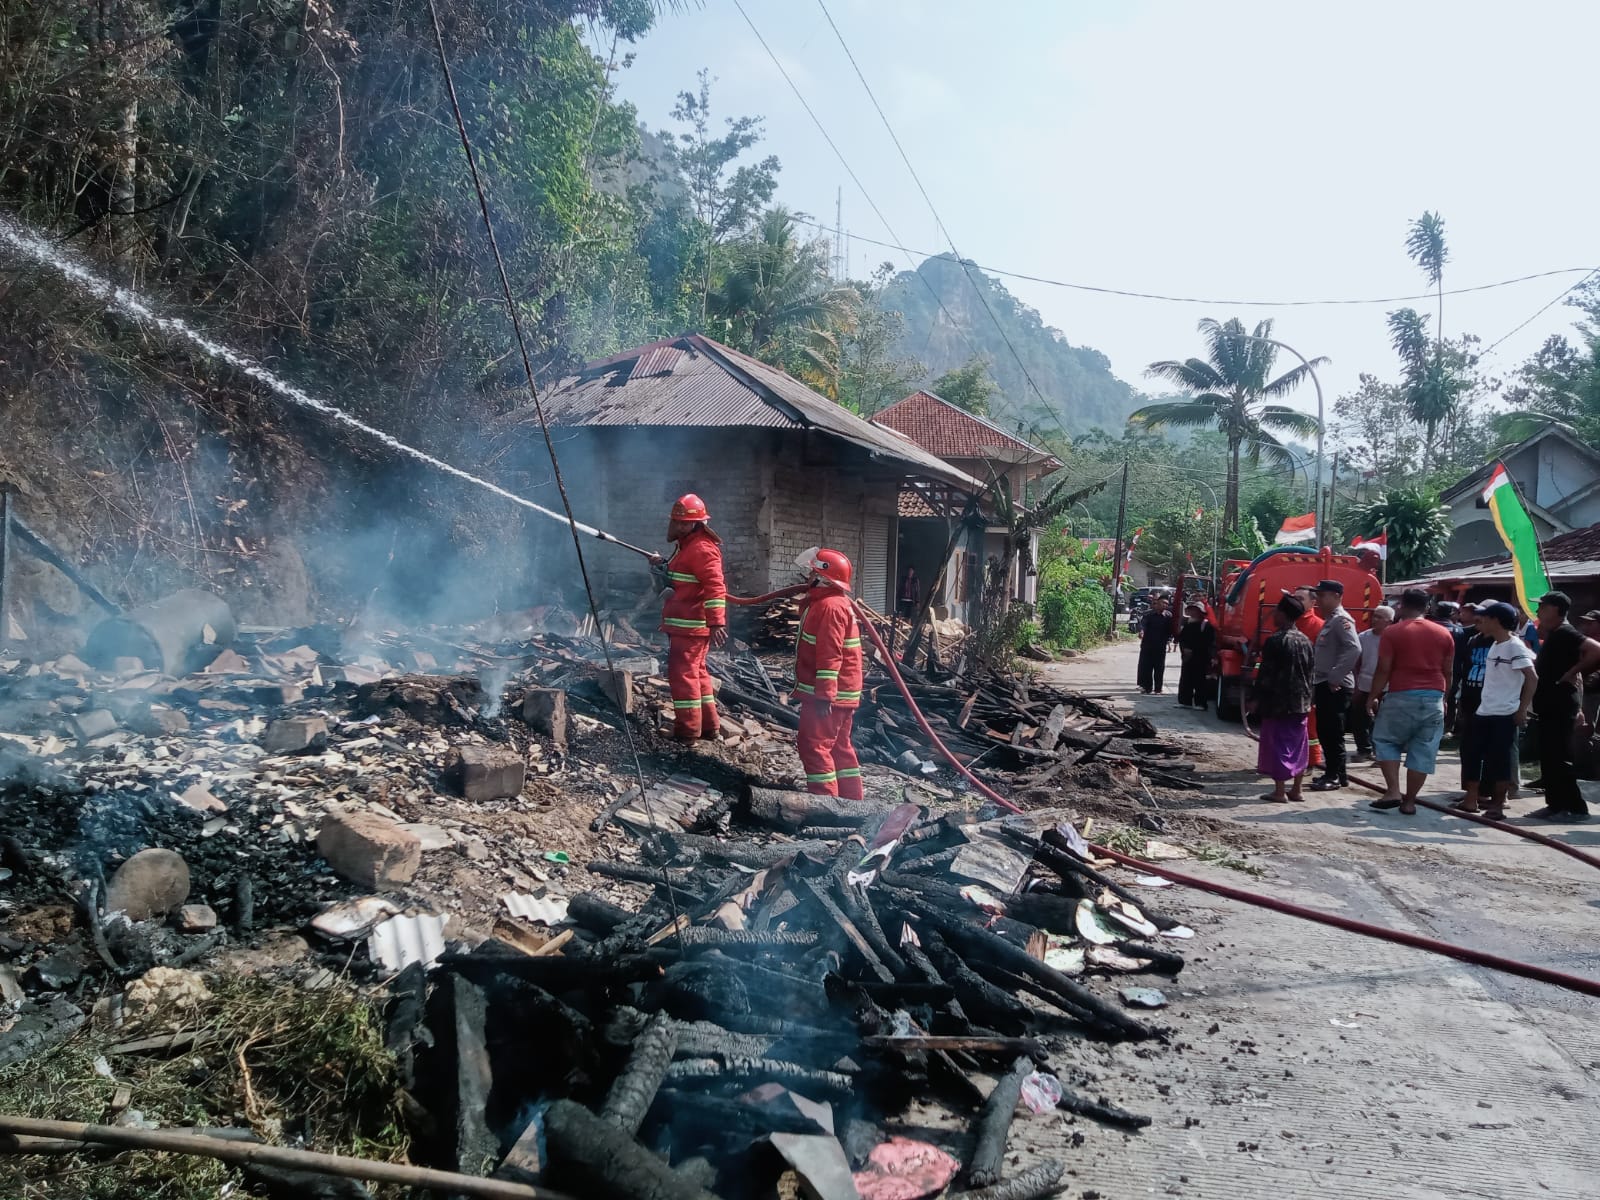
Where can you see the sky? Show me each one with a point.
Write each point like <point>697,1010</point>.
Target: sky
<point>1229,150</point>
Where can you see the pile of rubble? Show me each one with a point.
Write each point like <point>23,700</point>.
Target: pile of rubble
<point>382,807</point>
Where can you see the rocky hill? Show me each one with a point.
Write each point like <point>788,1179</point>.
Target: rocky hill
<point>1076,381</point>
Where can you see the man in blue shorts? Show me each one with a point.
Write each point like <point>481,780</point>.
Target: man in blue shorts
<point>1415,659</point>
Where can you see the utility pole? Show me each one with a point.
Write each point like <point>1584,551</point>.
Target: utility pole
<point>1326,519</point>
<point>1116,556</point>
<point>838,235</point>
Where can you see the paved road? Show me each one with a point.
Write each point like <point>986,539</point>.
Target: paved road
<point>1342,1065</point>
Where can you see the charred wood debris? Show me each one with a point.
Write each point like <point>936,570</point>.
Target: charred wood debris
<point>721,986</point>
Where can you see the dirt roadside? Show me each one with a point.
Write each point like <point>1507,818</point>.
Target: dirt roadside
<point>1346,1065</point>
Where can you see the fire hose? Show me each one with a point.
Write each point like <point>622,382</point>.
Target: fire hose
<point>1466,954</point>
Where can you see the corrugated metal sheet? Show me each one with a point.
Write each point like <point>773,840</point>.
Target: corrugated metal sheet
<point>401,941</point>
<point>874,579</point>
<point>663,360</point>
<point>713,385</point>
<point>547,910</point>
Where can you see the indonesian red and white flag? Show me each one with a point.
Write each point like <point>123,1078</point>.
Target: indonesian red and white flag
<point>1378,545</point>
<point>1298,529</point>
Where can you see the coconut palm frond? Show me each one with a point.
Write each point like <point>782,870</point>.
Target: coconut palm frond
<point>1193,375</point>
<point>1201,410</point>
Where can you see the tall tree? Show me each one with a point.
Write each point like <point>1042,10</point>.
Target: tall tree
<point>1230,389</point>
<point>968,386</point>
<point>726,196</point>
<point>871,374</point>
<point>1560,383</point>
<point>775,299</point>
<point>1433,392</point>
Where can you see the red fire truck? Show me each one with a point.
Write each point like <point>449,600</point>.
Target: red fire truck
<point>1250,591</point>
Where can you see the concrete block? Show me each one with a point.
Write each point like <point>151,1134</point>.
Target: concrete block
<point>95,723</point>
<point>488,772</point>
<point>196,918</point>
<point>295,735</point>
<point>369,850</point>
<point>618,687</point>
<point>544,710</point>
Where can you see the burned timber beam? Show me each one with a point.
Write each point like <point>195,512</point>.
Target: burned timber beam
<point>1033,1184</point>
<point>994,1124</point>
<point>592,1157</point>
<point>635,1089</point>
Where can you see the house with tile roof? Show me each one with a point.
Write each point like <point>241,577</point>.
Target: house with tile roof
<point>980,448</point>
<point>1558,476</point>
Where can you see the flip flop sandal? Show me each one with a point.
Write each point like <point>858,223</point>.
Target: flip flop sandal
<point>1274,799</point>
<point>1462,811</point>
<point>1408,810</point>
<point>1385,804</point>
<point>1494,815</point>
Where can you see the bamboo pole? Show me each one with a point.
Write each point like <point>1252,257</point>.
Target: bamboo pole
<point>249,1153</point>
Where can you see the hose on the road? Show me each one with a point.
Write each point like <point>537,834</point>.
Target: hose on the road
<point>1478,958</point>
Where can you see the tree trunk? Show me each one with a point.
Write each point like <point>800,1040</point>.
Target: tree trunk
<point>1230,503</point>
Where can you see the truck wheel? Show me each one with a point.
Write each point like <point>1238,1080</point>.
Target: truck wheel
<point>1228,700</point>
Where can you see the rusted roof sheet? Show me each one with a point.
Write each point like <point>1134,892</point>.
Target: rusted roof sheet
<point>1571,556</point>
<point>710,384</point>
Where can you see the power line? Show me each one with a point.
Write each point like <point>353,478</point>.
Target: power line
<point>938,220</point>
<point>1318,303</point>
<point>1492,346</point>
<point>861,187</point>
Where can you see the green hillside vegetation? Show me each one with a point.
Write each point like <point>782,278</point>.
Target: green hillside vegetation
<point>1075,381</point>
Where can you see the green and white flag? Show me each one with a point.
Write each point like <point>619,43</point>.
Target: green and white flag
<point>1517,532</point>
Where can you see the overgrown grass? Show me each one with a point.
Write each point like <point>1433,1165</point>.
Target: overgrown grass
<point>298,1067</point>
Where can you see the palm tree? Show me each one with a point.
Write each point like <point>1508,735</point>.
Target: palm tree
<point>1229,389</point>
<point>1432,390</point>
<point>776,301</point>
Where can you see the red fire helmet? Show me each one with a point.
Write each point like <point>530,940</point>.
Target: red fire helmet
<point>828,565</point>
<point>689,507</point>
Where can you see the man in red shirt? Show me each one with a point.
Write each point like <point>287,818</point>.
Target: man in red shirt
<point>694,617</point>
<point>1415,659</point>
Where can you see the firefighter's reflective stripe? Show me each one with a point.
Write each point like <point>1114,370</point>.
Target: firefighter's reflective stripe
<point>824,777</point>
<point>716,604</point>
<point>849,696</point>
<point>682,577</point>
<point>827,674</point>
<point>809,639</point>
<point>848,772</point>
<point>683,623</point>
<point>806,688</point>
<point>853,643</point>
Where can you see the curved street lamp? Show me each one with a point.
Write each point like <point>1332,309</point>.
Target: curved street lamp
<point>1316,510</point>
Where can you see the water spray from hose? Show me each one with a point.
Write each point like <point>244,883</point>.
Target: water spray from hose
<point>37,249</point>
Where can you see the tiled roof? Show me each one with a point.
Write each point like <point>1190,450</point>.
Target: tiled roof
<point>941,428</point>
<point>694,381</point>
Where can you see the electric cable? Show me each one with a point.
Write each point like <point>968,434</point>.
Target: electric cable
<point>938,220</point>
<point>1466,954</point>
<point>1539,312</point>
<point>544,425</point>
<point>1321,302</point>
<point>873,204</point>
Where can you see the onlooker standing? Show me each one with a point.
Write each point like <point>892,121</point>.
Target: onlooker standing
<point>1506,687</point>
<point>1465,636</point>
<point>1565,657</point>
<point>1338,651</point>
<point>1155,635</point>
<point>1197,641</point>
<point>1310,624</point>
<point>1282,700</point>
<point>910,593</point>
<point>1360,719</point>
<point>1586,747</point>
<point>1413,675</point>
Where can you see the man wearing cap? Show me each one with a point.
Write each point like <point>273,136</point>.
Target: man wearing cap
<point>1500,711</point>
<point>1197,642</point>
<point>1565,657</point>
<point>1467,637</point>
<point>694,617</point>
<point>1415,659</point>
<point>1338,652</point>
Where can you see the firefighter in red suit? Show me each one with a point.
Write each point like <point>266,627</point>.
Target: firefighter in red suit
<point>827,678</point>
<point>694,617</point>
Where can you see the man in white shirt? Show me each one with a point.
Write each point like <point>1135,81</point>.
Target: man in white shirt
<point>1366,667</point>
<point>1509,681</point>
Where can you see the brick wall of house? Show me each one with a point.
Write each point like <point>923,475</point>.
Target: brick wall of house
<point>771,494</point>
